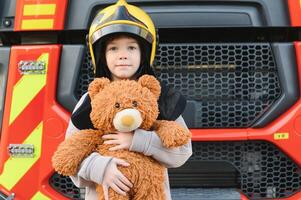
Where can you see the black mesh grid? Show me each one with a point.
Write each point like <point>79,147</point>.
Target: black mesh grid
<point>264,171</point>
<point>65,186</point>
<point>85,75</point>
<point>231,84</point>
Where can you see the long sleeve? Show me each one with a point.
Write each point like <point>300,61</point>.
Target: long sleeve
<point>149,143</point>
<point>93,167</point>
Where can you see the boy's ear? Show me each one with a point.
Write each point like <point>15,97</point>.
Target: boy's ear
<point>151,83</point>
<point>97,85</point>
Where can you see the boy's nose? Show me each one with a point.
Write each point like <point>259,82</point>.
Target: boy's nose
<point>123,55</point>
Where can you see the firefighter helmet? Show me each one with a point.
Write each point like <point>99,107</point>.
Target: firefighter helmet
<point>122,18</point>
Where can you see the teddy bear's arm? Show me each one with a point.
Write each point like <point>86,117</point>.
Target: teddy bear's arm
<point>171,133</point>
<point>74,149</point>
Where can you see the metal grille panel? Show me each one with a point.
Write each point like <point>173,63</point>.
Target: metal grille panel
<point>65,186</point>
<point>85,75</point>
<point>232,84</point>
<point>265,171</point>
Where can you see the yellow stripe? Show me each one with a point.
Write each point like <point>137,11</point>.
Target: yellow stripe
<point>26,89</point>
<point>40,196</point>
<point>39,9</point>
<point>15,168</point>
<point>281,136</point>
<point>37,24</point>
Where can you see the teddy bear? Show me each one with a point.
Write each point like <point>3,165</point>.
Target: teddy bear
<point>124,106</point>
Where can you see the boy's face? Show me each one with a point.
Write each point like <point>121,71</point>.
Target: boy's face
<point>123,57</point>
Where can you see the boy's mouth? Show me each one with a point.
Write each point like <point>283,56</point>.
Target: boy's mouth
<point>123,65</point>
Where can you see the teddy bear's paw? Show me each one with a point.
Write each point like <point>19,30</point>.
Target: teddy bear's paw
<point>172,134</point>
<point>177,138</point>
<point>64,167</point>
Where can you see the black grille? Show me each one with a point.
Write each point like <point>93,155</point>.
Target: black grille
<point>85,75</point>
<point>65,186</point>
<point>264,171</point>
<point>232,85</point>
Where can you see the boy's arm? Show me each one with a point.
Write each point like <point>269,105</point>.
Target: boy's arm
<point>149,143</point>
<point>72,151</point>
<point>91,170</point>
<point>93,166</point>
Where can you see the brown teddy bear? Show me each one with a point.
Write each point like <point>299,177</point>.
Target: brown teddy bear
<point>123,106</point>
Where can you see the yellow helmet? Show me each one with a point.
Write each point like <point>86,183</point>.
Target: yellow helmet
<point>122,18</point>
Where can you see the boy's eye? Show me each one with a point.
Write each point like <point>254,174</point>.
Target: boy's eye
<point>132,47</point>
<point>135,103</point>
<point>112,48</point>
<point>117,105</point>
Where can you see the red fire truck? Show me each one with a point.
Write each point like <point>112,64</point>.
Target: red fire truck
<point>238,63</point>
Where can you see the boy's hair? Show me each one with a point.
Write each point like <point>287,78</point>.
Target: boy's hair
<point>99,49</point>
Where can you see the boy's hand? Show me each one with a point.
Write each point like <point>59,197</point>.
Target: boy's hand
<point>120,139</point>
<point>114,179</point>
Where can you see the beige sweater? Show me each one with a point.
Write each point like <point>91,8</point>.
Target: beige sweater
<point>92,169</point>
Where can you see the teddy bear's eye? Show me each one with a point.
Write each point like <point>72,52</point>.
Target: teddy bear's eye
<point>117,105</point>
<point>135,103</point>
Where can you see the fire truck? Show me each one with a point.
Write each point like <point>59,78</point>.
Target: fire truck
<point>238,63</point>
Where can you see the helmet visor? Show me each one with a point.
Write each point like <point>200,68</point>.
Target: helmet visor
<point>121,28</point>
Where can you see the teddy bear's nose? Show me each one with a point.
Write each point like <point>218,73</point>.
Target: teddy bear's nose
<point>127,120</point>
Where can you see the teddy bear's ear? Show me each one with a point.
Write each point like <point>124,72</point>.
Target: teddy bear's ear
<point>97,85</point>
<point>151,83</point>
